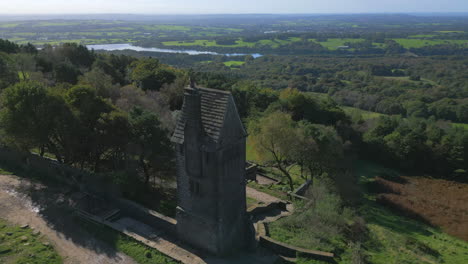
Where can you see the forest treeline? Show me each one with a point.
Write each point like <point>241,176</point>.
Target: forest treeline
<point>114,114</point>
<point>103,113</point>
<point>407,86</point>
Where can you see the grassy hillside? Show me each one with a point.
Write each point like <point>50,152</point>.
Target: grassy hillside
<point>392,239</point>
<point>398,239</point>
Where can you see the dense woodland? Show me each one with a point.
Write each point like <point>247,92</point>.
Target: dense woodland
<point>311,113</point>
<point>107,113</point>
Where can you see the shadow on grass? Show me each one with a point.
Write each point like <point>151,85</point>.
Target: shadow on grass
<point>377,214</point>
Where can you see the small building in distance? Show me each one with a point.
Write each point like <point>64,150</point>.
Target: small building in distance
<point>210,143</point>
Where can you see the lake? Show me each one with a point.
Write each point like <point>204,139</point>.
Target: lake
<point>126,46</point>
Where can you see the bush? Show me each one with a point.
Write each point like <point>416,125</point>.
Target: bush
<point>319,225</point>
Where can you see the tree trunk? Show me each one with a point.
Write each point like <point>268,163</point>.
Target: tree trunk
<point>286,173</point>
<point>145,170</point>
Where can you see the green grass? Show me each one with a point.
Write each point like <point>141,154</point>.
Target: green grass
<point>392,238</point>
<point>5,172</point>
<point>9,25</point>
<point>422,36</point>
<point>356,112</point>
<point>333,43</point>
<point>56,24</point>
<point>321,96</point>
<point>141,253</point>
<point>251,201</point>
<point>407,79</point>
<point>451,31</point>
<point>465,126</point>
<point>234,63</point>
<point>21,246</point>
<point>239,43</point>
<point>396,239</point>
<point>167,27</point>
<point>278,191</point>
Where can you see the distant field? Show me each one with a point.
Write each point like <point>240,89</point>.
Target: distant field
<point>353,111</point>
<point>166,27</point>
<point>331,44</point>
<point>465,126</point>
<point>239,43</point>
<point>407,79</point>
<point>418,43</point>
<point>102,31</point>
<point>234,63</point>
<point>9,25</point>
<point>334,43</point>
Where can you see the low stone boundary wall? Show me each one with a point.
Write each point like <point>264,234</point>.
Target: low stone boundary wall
<point>301,190</point>
<point>251,171</point>
<point>26,164</point>
<point>147,216</point>
<point>166,247</point>
<point>44,167</point>
<point>292,251</point>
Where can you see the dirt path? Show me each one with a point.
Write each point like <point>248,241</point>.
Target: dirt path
<point>43,209</point>
<point>262,180</point>
<point>261,196</point>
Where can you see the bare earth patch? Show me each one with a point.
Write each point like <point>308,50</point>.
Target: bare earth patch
<point>45,210</point>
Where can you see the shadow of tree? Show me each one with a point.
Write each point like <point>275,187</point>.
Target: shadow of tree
<point>56,210</point>
<point>48,195</point>
<point>377,214</point>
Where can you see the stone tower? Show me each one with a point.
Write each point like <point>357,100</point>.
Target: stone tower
<point>210,144</point>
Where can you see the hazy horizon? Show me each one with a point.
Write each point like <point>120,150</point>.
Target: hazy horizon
<point>201,7</point>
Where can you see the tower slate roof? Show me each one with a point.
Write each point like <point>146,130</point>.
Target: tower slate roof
<point>214,107</point>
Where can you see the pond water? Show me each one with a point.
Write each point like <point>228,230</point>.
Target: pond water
<point>125,46</point>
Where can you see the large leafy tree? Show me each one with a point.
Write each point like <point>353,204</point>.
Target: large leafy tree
<point>148,74</point>
<point>30,115</point>
<point>149,141</point>
<point>274,138</point>
<point>320,148</point>
<point>90,112</point>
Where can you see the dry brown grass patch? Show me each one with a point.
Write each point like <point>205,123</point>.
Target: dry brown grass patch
<point>438,202</point>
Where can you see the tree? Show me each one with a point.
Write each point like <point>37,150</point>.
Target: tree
<point>148,74</point>
<point>8,46</point>
<point>274,138</point>
<point>76,54</point>
<point>29,115</point>
<point>149,141</point>
<point>25,64</point>
<point>91,113</point>
<point>66,72</point>
<point>100,81</point>
<point>8,75</point>
<point>320,148</point>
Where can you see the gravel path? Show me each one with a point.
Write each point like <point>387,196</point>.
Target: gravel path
<point>24,203</point>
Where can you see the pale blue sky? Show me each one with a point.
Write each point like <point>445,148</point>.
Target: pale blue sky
<point>228,6</point>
